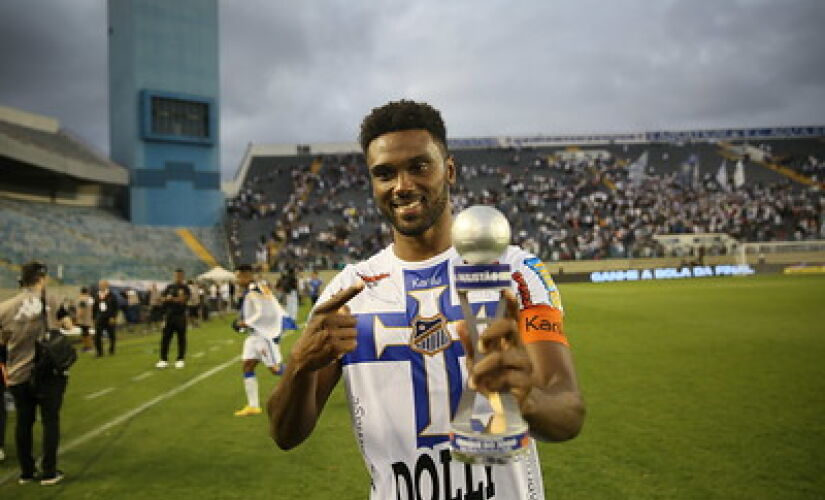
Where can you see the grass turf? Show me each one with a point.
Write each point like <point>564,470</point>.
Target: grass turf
<point>707,388</point>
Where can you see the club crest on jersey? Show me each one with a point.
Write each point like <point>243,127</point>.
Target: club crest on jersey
<point>430,335</point>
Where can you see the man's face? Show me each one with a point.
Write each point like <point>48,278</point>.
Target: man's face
<point>178,277</point>
<point>103,285</point>
<point>411,179</point>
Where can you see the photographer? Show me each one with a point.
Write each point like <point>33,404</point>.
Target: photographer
<point>21,322</point>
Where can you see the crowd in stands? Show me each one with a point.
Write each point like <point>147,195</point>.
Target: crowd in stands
<point>558,209</point>
<point>250,204</point>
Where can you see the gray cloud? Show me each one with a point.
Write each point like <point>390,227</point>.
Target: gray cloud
<point>308,71</point>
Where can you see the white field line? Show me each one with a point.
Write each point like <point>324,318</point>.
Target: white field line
<point>132,413</point>
<point>99,393</point>
<point>142,376</point>
<point>198,354</point>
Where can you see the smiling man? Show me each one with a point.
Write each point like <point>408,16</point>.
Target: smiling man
<point>390,326</point>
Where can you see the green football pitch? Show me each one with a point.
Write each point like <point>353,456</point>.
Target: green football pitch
<point>705,389</point>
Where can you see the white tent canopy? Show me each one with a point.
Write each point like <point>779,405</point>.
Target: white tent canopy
<point>218,275</point>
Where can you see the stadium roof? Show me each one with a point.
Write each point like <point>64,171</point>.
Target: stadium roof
<point>39,141</point>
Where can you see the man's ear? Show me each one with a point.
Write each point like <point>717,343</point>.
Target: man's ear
<point>449,164</point>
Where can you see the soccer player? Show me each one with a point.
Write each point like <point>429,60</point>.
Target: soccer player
<point>390,326</point>
<point>315,283</point>
<point>260,317</point>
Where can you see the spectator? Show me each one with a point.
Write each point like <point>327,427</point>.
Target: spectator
<point>83,317</point>
<point>104,314</point>
<point>21,321</point>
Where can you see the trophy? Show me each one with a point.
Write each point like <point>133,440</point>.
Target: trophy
<point>480,235</point>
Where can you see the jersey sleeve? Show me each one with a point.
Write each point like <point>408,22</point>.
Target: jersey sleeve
<point>5,334</point>
<point>541,311</point>
<point>345,279</point>
<point>250,309</point>
<point>533,283</point>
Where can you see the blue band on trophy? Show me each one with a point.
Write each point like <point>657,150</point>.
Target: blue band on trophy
<point>482,276</point>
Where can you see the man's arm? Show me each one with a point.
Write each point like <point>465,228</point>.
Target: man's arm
<point>181,295</point>
<point>554,407</point>
<point>187,294</point>
<point>539,374</point>
<point>250,309</point>
<point>112,308</point>
<point>313,370</point>
<point>171,294</point>
<point>4,339</point>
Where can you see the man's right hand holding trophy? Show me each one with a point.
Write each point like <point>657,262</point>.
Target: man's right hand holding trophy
<point>500,366</point>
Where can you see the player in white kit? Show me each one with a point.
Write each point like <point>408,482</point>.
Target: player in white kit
<point>391,326</point>
<point>260,318</point>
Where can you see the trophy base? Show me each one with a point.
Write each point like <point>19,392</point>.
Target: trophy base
<point>472,447</point>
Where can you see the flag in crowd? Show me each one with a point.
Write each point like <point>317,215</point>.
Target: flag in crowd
<point>722,176</point>
<point>739,175</point>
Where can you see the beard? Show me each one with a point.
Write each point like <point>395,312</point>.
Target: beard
<point>429,216</point>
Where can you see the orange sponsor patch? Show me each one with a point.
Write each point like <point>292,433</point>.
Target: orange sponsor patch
<point>541,322</point>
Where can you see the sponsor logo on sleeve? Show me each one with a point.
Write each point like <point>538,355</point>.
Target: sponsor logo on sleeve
<point>372,281</point>
<point>541,323</point>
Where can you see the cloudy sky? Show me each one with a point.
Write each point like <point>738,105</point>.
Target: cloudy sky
<point>308,71</point>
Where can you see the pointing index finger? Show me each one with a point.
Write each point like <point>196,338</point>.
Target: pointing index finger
<point>338,300</point>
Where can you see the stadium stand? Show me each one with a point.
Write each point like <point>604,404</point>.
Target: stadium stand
<point>565,202</point>
<point>90,243</point>
<point>59,203</point>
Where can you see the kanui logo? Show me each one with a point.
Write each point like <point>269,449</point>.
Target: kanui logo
<point>536,322</point>
<point>372,281</point>
<point>542,322</point>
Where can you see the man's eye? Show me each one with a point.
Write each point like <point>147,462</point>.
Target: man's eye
<point>382,173</point>
<point>420,166</point>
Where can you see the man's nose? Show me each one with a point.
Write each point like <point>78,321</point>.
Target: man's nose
<point>403,182</point>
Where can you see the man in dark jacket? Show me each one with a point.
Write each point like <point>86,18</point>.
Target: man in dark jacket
<point>174,297</point>
<point>104,314</point>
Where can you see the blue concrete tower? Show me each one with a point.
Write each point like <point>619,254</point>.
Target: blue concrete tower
<point>163,108</point>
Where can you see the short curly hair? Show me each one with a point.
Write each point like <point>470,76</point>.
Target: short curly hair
<point>31,272</point>
<point>403,115</point>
